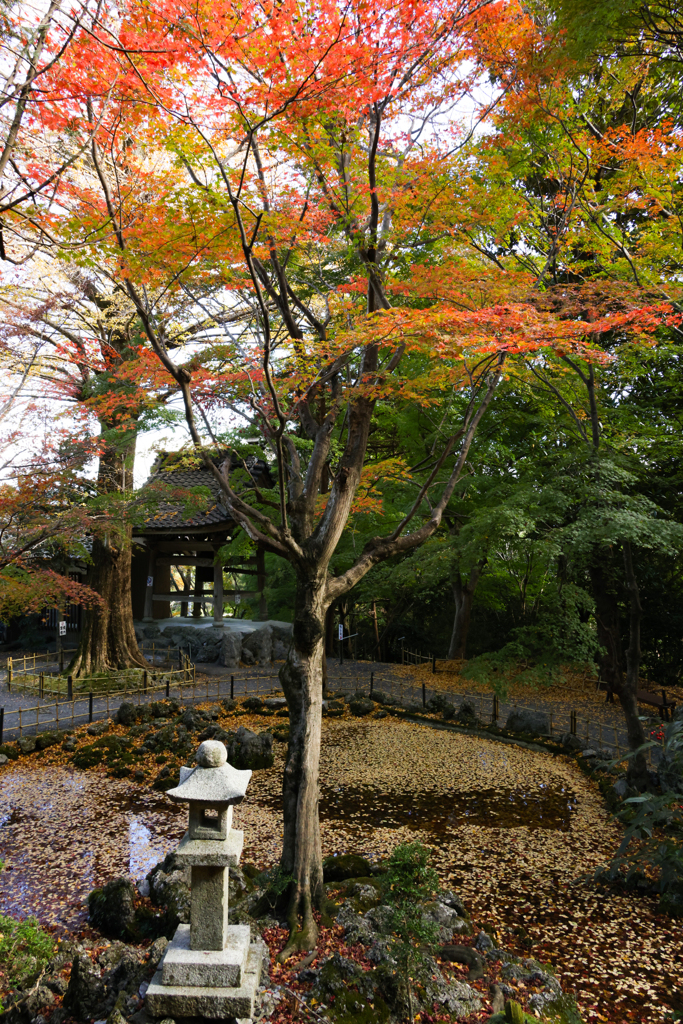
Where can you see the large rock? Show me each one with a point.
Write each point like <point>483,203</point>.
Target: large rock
<point>447,920</point>
<point>168,889</point>
<point>535,723</point>
<point>346,865</point>
<point>111,909</point>
<point>361,707</point>
<point>126,715</point>
<point>231,649</point>
<point>205,643</point>
<point>282,639</point>
<point>259,645</point>
<point>249,750</point>
<point>85,994</point>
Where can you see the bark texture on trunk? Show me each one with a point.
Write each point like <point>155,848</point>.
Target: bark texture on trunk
<point>463,597</point>
<point>302,682</point>
<point>637,773</point>
<point>108,639</point>
<point>605,585</point>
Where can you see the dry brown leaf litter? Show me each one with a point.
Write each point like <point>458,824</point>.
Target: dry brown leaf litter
<point>70,830</point>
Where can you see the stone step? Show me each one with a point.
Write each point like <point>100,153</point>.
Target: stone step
<point>220,968</point>
<point>214,1003</point>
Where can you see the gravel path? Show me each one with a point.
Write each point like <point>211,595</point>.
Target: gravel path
<point>598,723</point>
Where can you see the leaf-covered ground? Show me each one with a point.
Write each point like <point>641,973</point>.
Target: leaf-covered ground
<point>514,831</point>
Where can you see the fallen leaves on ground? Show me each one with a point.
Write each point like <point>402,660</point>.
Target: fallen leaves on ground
<point>65,832</point>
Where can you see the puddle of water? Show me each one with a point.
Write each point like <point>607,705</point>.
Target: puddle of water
<point>440,813</point>
<point>64,834</point>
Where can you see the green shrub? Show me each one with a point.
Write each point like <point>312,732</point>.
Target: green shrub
<point>25,949</point>
<point>408,883</point>
<point>652,846</point>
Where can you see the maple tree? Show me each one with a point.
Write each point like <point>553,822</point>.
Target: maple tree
<point>295,185</point>
<point>313,165</point>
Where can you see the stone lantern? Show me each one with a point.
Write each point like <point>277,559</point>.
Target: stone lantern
<point>210,969</point>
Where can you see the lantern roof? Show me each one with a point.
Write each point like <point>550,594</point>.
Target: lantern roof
<point>213,780</point>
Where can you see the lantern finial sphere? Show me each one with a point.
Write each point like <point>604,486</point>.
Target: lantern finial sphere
<point>211,754</point>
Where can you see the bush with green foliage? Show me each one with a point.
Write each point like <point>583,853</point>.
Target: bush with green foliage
<point>408,883</point>
<point>25,950</point>
<point>653,827</point>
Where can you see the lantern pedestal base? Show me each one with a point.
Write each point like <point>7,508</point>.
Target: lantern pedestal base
<point>219,968</point>
<point>192,1000</point>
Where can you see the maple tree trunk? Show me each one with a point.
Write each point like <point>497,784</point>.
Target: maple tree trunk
<point>604,584</point>
<point>302,681</point>
<point>637,773</point>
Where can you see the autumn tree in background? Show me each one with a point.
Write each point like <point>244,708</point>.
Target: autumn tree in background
<point>35,39</point>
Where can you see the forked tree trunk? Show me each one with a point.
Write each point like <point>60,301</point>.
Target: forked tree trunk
<point>302,681</point>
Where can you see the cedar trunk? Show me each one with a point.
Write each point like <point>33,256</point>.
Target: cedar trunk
<point>108,640</point>
<point>302,681</point>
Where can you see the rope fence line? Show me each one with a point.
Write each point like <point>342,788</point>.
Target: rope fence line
<point>489,708</point>
<point>182,684</point>
<point>91,706</point>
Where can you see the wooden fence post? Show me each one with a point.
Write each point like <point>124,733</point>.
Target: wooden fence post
<point>90,706</point>
<point>2,722</point>
<point>9,675</point>
<point>70,688</point>
<point>424,696</point>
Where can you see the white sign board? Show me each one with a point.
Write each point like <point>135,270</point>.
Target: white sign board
<point>150,581</point>
<point>62,628</point>
<point>341,631</point>
<point>238,598</point>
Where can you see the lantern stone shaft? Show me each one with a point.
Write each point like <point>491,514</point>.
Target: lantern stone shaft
<point>210,968</point>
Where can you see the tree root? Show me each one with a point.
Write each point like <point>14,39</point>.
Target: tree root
<point>302,937</point>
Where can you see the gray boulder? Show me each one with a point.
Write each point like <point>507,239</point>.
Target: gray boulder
<point>259,644</point>
<point>447,920</point>
<point>168,888</point>
<point>27,744</point>
<point>361,707</point>
<point>231,649</point>
<point>249,750</point>
<point>86,991</point>
<point>535,723</point>
<point>205,644</point>
<point>126,714</point>
<point>111,909</point>
<point>276,703</point>
<point>282,639</point>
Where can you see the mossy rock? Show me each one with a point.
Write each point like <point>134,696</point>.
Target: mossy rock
<point>170,782</point>
<point>563,1010</point>
<point>281,734</point>
<point>88,757</point>
<point>48,739</point>
<point>121,773</point>
<point>514,1014</point>
<point>10,751</point>
<point>345,866</point>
